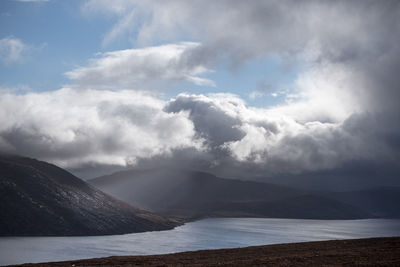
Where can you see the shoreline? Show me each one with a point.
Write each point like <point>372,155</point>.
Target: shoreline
<point>381,251</point>
<point>183,221</point>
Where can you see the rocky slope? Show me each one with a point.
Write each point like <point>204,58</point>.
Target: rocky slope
<point>37,198</point>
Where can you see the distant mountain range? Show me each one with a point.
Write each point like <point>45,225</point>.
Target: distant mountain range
<point>41,199</point>
<point>383,202</point>
<point>192,194</point>
<point>37,198</point>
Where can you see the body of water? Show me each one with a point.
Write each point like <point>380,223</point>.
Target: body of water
<point>203,234</point>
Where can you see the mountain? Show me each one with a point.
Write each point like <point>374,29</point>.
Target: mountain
<point>38,198</point>
<point>194,194</point>
<point>379,201</point>
<point>305,207</point>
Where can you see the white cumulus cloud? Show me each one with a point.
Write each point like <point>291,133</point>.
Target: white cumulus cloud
<point>132,68</point>
<point>77,127</point>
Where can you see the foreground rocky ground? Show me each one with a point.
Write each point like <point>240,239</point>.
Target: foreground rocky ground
<point>355,252</point>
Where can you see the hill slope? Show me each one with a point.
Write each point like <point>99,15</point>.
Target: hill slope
<point>379,201</point>
<point>37,198</point>
<point>194,194</point>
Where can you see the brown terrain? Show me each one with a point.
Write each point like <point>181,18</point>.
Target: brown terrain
<point>354,252</point>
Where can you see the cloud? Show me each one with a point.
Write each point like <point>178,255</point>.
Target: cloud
<point>211,116</point>
<point>273,143</point>
<point>74,128</point>
<point>261,23</point>
<point>132,68</point>
<point>342,107</point>
<point>91,130</point>
<point>315,33</point>
<point>12,50</point>
<point>259,136</point>
<point>133,14</point>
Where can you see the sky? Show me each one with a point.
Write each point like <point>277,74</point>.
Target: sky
<point>282,90</point>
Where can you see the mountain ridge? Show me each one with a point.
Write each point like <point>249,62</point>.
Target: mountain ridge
<point>194,194</point>
<point>38,198</point>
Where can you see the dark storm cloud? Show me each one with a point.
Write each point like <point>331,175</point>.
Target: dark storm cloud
<point>281,145</point>
<point>211,122</point>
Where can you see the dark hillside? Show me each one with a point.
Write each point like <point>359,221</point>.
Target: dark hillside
<point>37,198</point>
